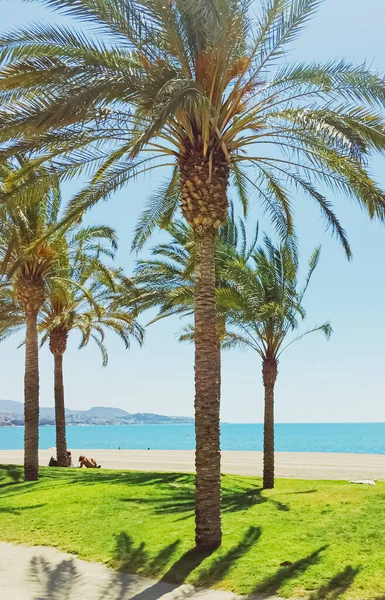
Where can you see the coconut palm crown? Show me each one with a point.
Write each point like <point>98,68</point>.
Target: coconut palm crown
<point>186,82</point>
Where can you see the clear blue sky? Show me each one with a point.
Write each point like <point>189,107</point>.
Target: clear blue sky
<point>319,381</point>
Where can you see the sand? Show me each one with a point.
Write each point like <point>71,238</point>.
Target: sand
<point>297,465</point>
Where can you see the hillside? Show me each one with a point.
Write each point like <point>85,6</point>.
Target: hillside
<point>10,406</point>
<point>105,411</point>
<point>12,415</point>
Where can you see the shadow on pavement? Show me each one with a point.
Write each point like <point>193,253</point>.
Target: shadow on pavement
<point>64,581</point>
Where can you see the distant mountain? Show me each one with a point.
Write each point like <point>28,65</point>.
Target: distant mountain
<point>17,408</point>
<point>105,411</point>
<point>12,414</point>
<point>10,406</point>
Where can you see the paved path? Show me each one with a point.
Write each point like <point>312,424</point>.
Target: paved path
<point>37,573</point>
<point>297,465</point>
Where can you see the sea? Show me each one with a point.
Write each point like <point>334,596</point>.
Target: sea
<point>359,438</point>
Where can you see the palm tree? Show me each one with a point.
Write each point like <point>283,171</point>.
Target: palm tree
<point>197,85</point>
<point>83,298</point>
<point>258,301</point>
<point>166,281</point>
<point>23,221</point>
<point>269,305</point>
<point>80,293</point>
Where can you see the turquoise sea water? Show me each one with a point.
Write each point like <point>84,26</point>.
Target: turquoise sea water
<point>361,438</point>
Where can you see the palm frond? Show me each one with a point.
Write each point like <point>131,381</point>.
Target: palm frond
<point>163,78</point>
<point>160,211</point>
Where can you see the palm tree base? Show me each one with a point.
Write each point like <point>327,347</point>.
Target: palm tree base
<point>205,543</point>
<point>268,485</point>
<point>31,473</point>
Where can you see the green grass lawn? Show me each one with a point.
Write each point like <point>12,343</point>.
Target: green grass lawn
<point>331,533</point>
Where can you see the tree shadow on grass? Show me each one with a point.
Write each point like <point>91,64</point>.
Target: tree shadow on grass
<point>236,499</point>
<point>182,500</point>
<point>19,486</point>
<point>12,472</point>
<point>62,478</point>
<point>272,583</point>
<point>339,584</point>
<point>223,563</point>
<point>142,478</point>
<point>243,499</point>
<point>301,492</point>
<point>94,476</point>
<point>17,510</point>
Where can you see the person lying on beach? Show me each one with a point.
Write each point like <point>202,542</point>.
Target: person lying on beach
<point>88,463</point>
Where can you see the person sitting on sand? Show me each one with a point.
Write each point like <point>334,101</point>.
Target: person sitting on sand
<point>88,463</point>
<point>54,463</point>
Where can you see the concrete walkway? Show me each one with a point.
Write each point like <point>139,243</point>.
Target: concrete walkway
<point>40,573</point>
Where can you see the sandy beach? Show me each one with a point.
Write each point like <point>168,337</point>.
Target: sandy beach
<point>297,465</point>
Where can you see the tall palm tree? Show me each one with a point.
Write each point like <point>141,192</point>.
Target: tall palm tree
<point>197,85</point>
<point>23,221</point>
<point>84,301</point>
<point>258,300</point>
<point>83,296</point>
<point>268,307</point>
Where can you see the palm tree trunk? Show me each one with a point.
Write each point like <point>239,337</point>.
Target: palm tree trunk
<point>204,203</point>
<point>269,372</point>
<point>60,419</point>
<point>31,400</point>
<point>207,395</point>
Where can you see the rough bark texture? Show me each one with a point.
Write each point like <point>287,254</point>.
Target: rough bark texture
<point>204,185</point>
<point>204,181</point>
<point>207,396</point>
<point>31,400</point>
<point>30,295</point>
<point>269,372</point>
<point>58,345</point>
<point>58,341</point>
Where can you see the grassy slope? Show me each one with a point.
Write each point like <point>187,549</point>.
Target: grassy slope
<point>331,532</point>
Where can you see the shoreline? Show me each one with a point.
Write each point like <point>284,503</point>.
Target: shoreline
<point>293,465</point>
